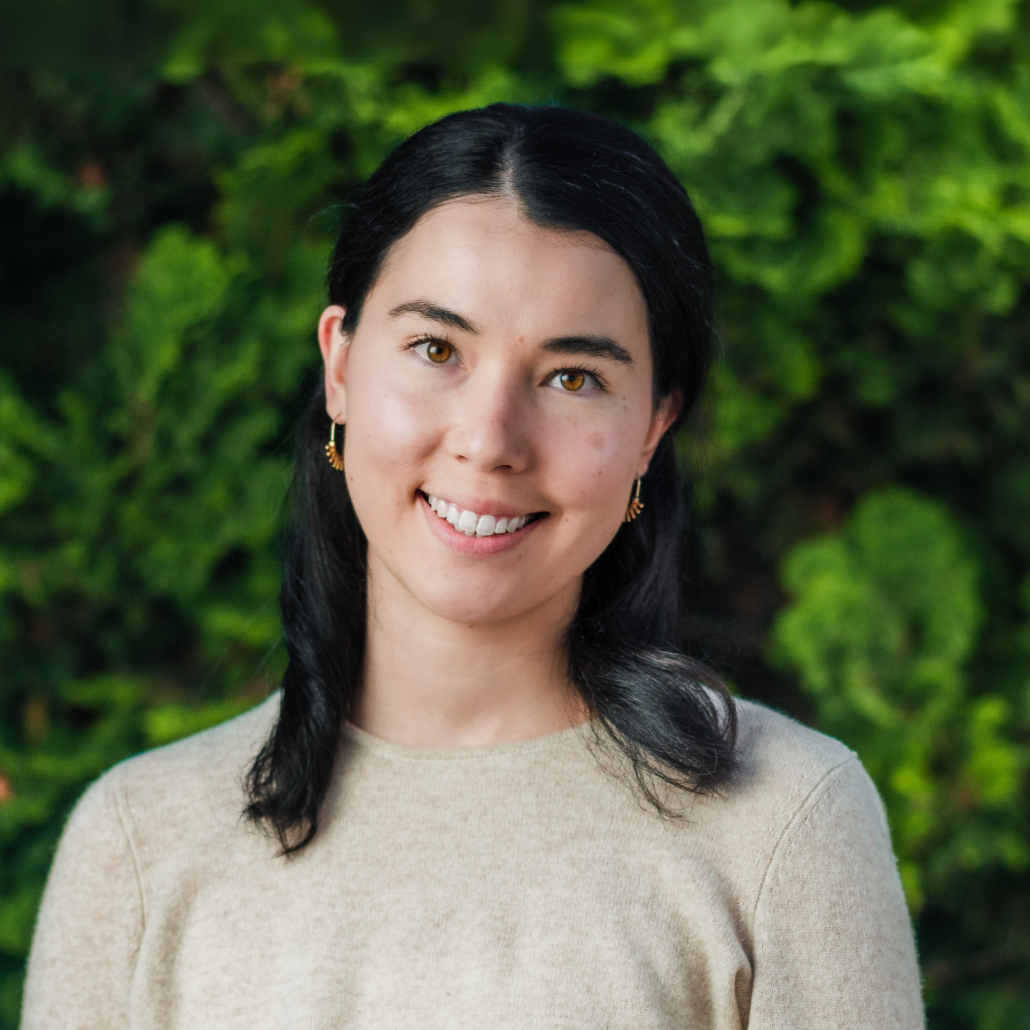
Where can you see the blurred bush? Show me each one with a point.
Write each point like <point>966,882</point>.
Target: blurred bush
<point>861,530</point>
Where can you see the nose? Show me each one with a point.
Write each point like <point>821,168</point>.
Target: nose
<point>492,425</point>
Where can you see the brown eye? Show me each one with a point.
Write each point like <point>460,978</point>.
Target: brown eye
<point>575,380</point>
<point>439,352</point>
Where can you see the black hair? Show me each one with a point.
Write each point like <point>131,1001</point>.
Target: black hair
<point>667,714</point>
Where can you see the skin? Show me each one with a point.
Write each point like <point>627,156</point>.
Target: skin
<point>464,634</point>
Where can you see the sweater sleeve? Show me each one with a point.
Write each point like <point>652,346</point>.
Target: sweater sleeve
<point>89,925</point>
<point>833,940</point>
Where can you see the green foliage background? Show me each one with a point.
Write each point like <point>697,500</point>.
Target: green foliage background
<point>861,471</point>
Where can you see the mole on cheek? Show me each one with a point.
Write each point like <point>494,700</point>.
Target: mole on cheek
<point>596,440</point>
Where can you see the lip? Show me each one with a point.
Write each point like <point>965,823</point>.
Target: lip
<point>477,546</point>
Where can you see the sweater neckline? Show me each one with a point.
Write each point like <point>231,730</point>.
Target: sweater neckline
<point>363,741</point>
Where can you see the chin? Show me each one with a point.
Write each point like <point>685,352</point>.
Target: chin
<point>465,607</point>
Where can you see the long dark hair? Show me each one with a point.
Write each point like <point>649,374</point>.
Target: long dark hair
<point>666,713</point>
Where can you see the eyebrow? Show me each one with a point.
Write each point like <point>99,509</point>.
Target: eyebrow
<point>592,346</point>
<point>434,313</point>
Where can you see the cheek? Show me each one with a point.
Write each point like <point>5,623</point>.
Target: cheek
<point>596,456</point>
<point>389,435</point>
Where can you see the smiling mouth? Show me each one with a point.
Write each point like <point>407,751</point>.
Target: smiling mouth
<point>473,524</point>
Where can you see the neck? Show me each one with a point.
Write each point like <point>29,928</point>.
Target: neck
<point>432,682</point>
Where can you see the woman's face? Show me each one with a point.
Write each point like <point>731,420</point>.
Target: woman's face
<point>503,371</point>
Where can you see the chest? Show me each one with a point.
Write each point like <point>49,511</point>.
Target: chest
<point>450,921</point>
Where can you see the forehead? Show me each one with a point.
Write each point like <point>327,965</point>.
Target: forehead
<point>480,257</point>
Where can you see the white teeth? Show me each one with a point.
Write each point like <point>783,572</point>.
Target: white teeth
<point>472,524</point>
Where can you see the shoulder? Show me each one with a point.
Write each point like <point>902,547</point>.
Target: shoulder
<point>778,756</point>
<point>187,794</point>
<point>786,773</point>
<point>196,765</point>
<point>149,828</point>
<point>831,934</point>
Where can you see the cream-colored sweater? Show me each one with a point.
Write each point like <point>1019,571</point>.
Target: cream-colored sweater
<point>512,886</point>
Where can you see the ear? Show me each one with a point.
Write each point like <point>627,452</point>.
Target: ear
<point>664,415</point>
<point>333,345</point>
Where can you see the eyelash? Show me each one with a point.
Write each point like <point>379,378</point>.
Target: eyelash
<point>431,339</point>
<point>598,378</point>
<point>594,373</point>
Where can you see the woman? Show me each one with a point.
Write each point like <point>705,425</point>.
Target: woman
<point>491,792</point>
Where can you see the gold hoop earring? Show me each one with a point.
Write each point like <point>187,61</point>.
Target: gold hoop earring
<point>334,456</point>
<point>635,506</point>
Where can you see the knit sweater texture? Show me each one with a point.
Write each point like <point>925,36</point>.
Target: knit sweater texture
<point>521,885</point>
